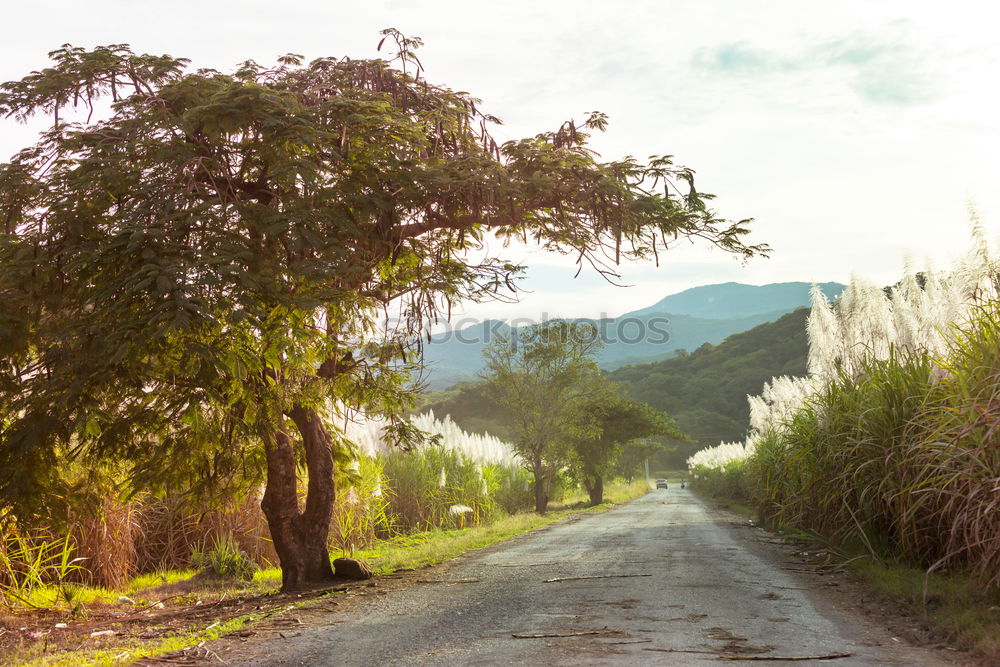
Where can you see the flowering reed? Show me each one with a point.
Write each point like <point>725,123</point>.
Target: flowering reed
<point>892,444</point>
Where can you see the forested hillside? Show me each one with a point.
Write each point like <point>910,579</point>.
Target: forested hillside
<point>705,391</point>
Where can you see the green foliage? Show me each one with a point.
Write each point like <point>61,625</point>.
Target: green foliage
<point>948,515</point>
<point>612,422</point>
<point>540,375</point>
<point>901,462</point>
<point>727,482</point>
<point>706,390</point>
<point>510,487</point>
<point>28,564</point>
<point>832,470</point>
<point>192,284</point>
<point>225,559</point>
<point>192,239</point>
<point>423,486</point>
<point>362,513</point>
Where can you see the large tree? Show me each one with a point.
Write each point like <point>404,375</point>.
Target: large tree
<point>195,266</point>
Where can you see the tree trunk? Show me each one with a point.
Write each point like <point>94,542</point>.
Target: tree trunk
<point>300,538</point>
<point>541,487</point>
<point>595,487</point>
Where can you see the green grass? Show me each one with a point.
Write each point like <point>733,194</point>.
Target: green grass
<point>623,492</point>
<point>616,492</point>
<point>429,548</point>
<point>955,606</point>
<point>151,580</point>
<point>65,596</point>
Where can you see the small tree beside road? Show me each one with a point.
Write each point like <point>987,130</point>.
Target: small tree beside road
<point>609,422</point>
<point>539,375</point>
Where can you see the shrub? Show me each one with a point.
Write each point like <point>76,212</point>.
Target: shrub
<point>31,563</point>
<point>362,511</point>
<point>225,559</point>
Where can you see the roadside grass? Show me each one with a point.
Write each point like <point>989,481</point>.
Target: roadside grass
<point>152,580</point>
<point>621,493</point>
<point>616,492</point>
<point>728,503</point>
<point>67,596</point>
<point>188,589</point>
<point>418,550</point>
<point>955,607</point>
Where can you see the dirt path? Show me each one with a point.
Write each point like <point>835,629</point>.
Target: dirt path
<point>662,580</point>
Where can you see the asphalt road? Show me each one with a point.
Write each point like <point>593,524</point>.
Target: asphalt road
<point>662,581</point>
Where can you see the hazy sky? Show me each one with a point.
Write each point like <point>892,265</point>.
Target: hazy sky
<point>856,133</point>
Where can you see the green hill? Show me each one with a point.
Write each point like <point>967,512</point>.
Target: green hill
<point>705,391</point>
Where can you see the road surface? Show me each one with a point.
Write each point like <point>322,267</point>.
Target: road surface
<point>662,580</point>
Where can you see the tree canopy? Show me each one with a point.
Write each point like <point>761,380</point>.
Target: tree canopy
<point>195,281</point>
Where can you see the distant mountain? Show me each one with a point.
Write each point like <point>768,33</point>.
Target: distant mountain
<point>705,390</point>
<point>732,300</point>
<point>683,321</point>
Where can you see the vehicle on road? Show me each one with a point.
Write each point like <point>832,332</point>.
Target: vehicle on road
<point>661,483</point>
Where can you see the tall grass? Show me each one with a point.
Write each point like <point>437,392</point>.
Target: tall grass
<point>425,486</point>
<point>105,531</point>
<point>29,563</point>
<point>362,511</point>
<point>892,444</point>
<point>902,460</point>
<point>837,466</point>
<point>952,507</point>
<point>720,470</point>
<point>115,533</point>
<point>463,479</point>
